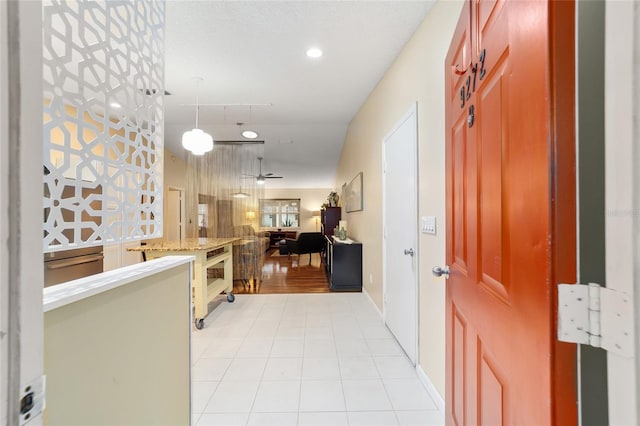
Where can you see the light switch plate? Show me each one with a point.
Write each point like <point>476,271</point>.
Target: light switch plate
<point>429,225</point>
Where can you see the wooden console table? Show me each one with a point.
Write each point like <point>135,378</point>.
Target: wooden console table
<point>209,253</point>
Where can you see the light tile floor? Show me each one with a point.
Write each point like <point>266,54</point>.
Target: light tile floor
<point>304,359</point>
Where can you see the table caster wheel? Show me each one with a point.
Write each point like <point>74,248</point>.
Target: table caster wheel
<point>230,298</point>
<point>200,323</point>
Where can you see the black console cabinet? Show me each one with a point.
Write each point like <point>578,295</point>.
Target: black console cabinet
<point>329,218</point>
<point>344,265</point>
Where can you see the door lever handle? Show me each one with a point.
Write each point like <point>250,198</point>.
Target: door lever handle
<point>438,271</point>
<point>408,251</point>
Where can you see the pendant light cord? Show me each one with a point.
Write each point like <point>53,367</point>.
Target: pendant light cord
<point>197,103</point>
<point>198,81</point>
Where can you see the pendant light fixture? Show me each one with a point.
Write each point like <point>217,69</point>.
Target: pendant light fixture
<point>248,133</point>
<point>240,193</point>
<point>195,140</point>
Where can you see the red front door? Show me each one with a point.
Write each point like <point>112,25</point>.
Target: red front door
<point>510,213</point>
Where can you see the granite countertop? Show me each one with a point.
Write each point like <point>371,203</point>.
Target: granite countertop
<point>188,244</point>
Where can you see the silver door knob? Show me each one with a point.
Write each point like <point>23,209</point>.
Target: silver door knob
<point>408,251</point>
<point>438,271</point>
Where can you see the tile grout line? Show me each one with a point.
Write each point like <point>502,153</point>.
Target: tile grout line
<point>344,396</point>
<point>304,344</point>
<point>320,310</point>
<point>264,368</point>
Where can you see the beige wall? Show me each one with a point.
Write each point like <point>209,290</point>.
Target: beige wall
<point>417,75</point>
<point>310,199</point>
<point>122,356</point>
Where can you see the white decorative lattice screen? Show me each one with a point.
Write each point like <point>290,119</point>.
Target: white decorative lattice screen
<point>103,70</point>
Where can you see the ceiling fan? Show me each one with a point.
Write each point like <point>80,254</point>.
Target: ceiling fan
<point>260,178</point>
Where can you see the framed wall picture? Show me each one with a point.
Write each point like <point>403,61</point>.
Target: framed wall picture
<point>353,194</point>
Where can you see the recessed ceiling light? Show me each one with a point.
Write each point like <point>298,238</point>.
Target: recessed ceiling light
<point>115,105</point>
<point>314,52</point>
<point>249,134</point>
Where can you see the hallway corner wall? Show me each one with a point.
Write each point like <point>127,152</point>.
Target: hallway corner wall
<point>417,74</point>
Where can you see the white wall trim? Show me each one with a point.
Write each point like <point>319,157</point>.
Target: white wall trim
<point>4,214</point>
<point>622,193</point>
<point>422,376</point>
<point>636,194</point>
<point>25,191</point>
<point>366,293</point>
<point>431,389</point>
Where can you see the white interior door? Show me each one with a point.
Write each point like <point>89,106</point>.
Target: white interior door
<point>400,218</point>
<point>174,214</point>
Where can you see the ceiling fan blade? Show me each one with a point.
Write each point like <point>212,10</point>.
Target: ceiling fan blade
<point>268,174</point>
<point>273,177</point>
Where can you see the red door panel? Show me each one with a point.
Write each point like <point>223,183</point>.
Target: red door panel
<point>502,151</point>
<point>491,390</point>
<point>493,131</point>
<point>458,371</point>
<point>460,237</point>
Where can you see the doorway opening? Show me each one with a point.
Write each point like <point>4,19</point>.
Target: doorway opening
<point>400,221</point>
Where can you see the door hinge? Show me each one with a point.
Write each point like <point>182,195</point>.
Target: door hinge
<point>597,316</point>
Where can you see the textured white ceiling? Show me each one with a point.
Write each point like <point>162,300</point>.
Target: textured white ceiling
<point>253,52</point>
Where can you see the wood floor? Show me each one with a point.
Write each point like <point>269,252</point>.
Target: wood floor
<point>281,274</point>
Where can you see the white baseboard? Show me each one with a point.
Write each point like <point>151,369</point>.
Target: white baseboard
<point>431,389</point>
<point>422,376</point>
<point>366,293</point>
